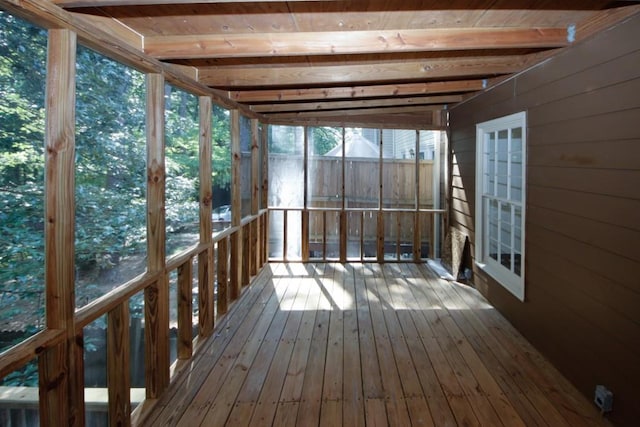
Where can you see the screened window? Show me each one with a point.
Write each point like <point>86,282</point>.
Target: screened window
<point>500,200</point>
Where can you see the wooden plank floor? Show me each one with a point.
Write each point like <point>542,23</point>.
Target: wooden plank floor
<point>367,344</point>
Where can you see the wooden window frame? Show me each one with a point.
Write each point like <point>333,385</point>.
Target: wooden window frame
<point>506,277</point>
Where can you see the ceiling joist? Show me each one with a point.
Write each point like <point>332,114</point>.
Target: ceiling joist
<point>345,74</point>
<point>364,103</point>
<point>355,92</point>
<point>105,3</point>
<point>351,42</point>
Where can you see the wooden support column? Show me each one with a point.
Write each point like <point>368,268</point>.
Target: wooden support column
<point>223,275</point>
<point>156,329</point>
<point>380,219</point>
<point>118,356</point>
<point>254,251</point>
<point>305,211</point>
<point>185,309</point>
<point>343,214</point>
<point>264,234</point>
<point>236,207</point>
<point>60,367</point>
<point>205,259</point>
<point>417,237</point>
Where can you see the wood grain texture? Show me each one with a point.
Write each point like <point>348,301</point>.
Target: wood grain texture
<point>356,343</point>
<point>355,92</point>
<point>157,294</point>
<point>118,356</point>
<point>349,74</point>
<point>351,42</point>
<point>62,394</point>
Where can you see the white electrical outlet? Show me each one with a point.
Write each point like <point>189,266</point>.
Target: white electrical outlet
<point>603,399</point>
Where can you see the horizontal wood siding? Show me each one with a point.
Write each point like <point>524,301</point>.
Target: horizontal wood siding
<point>582,306</point>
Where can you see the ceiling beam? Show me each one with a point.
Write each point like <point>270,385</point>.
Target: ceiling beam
<point>351,42</point>
<point>373,73</point>
<point>104,3</point>
<point>364,103</point>
<point>361,111</point>
<point>354,92</point>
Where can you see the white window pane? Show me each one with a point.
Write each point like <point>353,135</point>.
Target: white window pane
<point>505,256</point>
<point>502,186</point>
<point>493,249</point>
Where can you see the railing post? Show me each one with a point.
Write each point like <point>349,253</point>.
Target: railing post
<point>255,197</point>
<point>185,309</point>
<point>60,367</point>
<point>157,295</point>
<point>118,377</point>
<point>223,275</point>
<point>305,235</point>
<point>236,208</point>
<point>206,316</point>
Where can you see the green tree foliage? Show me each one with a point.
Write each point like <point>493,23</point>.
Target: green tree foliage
<point>110,174</point>
<point>22,71</point>
<point>325,139</point>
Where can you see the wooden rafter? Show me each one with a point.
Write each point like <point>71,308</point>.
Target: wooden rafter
<point>104,3</point>
<point>353,92</point>
<point>351,42</point>
<point>366,103</point>
<point>345,74</point>
<point>361,111</point>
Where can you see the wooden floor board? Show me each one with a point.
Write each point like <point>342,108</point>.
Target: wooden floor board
<point>366,344</point>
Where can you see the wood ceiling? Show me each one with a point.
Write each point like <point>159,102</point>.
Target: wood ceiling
<point>401,62</point>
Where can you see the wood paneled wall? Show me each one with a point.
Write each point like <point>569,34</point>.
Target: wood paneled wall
<point>582,307</point>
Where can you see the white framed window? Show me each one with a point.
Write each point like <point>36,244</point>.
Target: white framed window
<point>500,200</point>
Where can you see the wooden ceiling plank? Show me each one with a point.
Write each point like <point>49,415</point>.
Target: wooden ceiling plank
<point>360,111</point>
<point>367,103</point>
<point>232,77</point>
<point>354,92</point>
<point>104,3</point>
<point>48,15</point>
<point>350,42</point>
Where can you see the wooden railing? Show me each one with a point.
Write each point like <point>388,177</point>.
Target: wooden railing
<point>217,287</point>
<point>383,235</point>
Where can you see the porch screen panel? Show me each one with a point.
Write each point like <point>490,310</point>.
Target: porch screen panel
<point>286,189</point>
<point>324,180</point>
<point>221,169</point>
<point>398,169</point>
<point>362,163</point>
<point>22,91</point>
<point>110,176</point>
<point>245,166</point>
<point>182,206</point>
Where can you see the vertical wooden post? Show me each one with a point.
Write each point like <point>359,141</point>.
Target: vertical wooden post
<point>265,194</point>
<point>236,207</point>
<point>185,310</point>
<point>246,256</point>
<point>380,218</point>
<point>205,259</point>
<point>255,196</point>
<point>118,378</point>
<point>223,275</point>
<point>285,227</point>
<point>305,212</point>
<point>324,235</point>
<point>60,367</point>
<point>305,235</point>
<point>417,237</point>
<point>156,329</point>
<point>343,214</point>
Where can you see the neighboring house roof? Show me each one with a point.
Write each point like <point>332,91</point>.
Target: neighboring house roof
<point>356,146</point>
